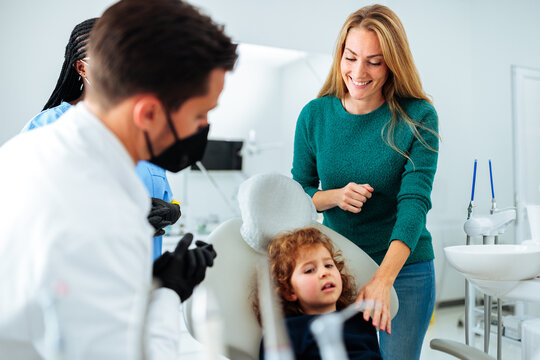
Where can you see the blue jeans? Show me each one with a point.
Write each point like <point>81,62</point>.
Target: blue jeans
<point>415,288</point>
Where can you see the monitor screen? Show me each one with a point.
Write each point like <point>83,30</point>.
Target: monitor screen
<point>222,155</point>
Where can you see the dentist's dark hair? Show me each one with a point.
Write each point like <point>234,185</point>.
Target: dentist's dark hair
<point>69,84</point>
<point>162,47</point>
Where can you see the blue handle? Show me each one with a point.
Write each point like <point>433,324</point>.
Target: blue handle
<point>491,179</point>
<point>474,179</point>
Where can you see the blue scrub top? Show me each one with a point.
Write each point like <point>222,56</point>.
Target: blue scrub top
<point>153,177</point>
<point>155,181</point>
<point>47,116</point>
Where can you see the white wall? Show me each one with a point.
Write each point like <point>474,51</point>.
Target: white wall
<point>462,48</point>
<point>33,37</point>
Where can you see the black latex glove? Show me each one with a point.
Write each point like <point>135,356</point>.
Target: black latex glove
<point>162,214</point>
<point>184,268</point>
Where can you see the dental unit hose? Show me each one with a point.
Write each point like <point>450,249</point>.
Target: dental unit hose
<point>276,341</point>
<point>493,202</point>
<point>471,203</point>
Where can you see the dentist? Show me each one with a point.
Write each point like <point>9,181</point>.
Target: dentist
<point>76,273</point>
<point>71,89</point>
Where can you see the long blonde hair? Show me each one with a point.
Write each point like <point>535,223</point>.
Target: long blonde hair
<point>403,78</point>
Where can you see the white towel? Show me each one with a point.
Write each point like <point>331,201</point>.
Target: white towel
<point>270,204</point>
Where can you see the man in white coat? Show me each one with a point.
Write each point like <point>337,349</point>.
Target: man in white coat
<point>75,242</point>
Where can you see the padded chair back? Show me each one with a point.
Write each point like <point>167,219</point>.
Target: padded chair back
<point>232,278</point>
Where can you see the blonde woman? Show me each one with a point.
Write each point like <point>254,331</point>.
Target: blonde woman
<point>366,152</point>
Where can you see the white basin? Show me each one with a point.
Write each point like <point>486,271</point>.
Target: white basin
<point>496,288</point>
<point>495,262</point>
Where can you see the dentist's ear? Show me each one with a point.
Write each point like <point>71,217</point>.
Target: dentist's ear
<point>146,110</point>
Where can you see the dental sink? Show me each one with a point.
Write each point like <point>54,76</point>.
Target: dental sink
<point>495,269</point>
<point>495,262</point>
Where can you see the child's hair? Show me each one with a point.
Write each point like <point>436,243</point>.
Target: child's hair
<point>283,251</point>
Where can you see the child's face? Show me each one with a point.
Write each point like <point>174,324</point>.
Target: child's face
<point>316,281</point>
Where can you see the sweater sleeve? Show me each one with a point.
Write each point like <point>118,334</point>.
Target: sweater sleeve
<point>304,169</point>
<point>413,199</point>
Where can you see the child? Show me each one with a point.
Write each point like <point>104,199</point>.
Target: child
<point>311,280</point>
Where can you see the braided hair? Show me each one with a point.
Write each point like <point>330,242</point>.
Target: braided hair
<point>69,84</point>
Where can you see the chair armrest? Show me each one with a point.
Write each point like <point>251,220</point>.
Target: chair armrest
<point>459,350</point>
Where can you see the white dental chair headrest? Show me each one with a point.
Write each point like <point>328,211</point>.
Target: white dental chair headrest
<point>270,204</point>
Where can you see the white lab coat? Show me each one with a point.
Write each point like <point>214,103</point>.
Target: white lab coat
<point>75,249</point>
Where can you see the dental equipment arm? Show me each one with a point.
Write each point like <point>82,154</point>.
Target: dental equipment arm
<point>490,225</point>
<point>276,341</point>
<point>328,331</point>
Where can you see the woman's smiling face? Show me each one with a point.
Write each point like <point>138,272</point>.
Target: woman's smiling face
<point>363,68</point>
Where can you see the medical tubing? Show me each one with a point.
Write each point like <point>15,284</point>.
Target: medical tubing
<point>491,180</point>
<point>474,179</point>
<point>216,186</point>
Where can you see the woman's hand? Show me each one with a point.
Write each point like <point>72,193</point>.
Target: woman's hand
<point>375,297</point>
<point>349,198</point>
<point>353,196</point>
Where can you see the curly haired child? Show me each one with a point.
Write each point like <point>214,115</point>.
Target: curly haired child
<point>311,280</point>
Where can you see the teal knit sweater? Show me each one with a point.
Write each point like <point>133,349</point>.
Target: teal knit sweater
<point>333,148</point>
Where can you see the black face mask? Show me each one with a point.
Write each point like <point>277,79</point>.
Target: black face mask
<point>183,152</point>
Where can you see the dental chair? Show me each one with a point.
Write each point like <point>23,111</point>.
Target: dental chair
<point>269,204</point>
